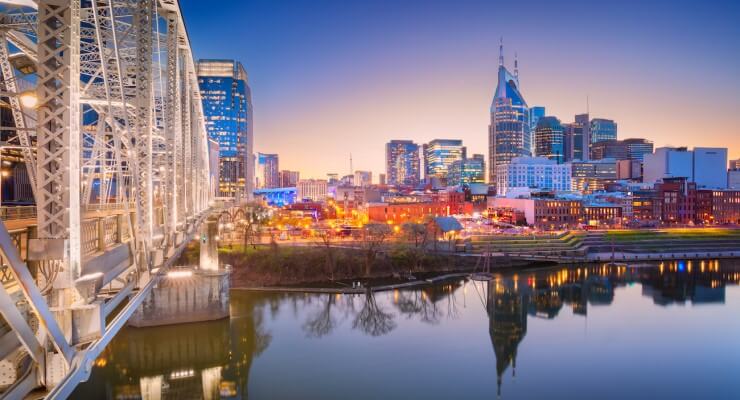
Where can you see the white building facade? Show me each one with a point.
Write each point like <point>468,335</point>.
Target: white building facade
<point>707,166</point>
<point>532,173</point>
<point>312,189</point>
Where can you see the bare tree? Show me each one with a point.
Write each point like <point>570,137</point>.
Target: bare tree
<point>373,235</point>
<point>417,235</point>
<point>325,238</point>
<point>256,216</point>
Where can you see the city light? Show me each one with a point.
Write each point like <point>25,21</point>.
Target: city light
<point>29,99</point>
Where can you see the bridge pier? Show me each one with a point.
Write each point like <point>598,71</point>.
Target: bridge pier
<point>190,293</point>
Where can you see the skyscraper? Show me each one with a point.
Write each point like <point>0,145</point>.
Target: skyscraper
<point>402,162</point>
<point>549,139</point>
<point>535,113</point>
<point>603,129</point>
<point>577,139</point>
<point>509,134</point>
<point>467,171</point>
<point>439,154</point>
<point>363,178</point>
<point>227,108</point>
<point>289,178</point>
<point>268,175</point>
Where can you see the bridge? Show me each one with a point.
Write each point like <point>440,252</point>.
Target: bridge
<point>108,118</point>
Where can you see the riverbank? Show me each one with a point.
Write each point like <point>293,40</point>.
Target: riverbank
<point>335,268</point>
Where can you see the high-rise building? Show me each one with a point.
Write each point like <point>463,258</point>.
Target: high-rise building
<point>402,162</point>
<point>548,138</point>
<point>268,175</point>
<point>312,189</point>
<point>581,147</point>
<point>289,178</point>
<point>227,108</point>
<point>509,135</point>
<point>535,113</point>
<point>467,171</point>
<point>524,173</point>
<point>637,148</point>
<point>363,178</point>
<point>603,129</point>
<point>627,149</point>
<point>439,154</point>
<point>593,175</point>
<point>381,179</point>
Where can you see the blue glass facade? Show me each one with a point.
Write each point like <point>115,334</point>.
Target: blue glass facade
<point>550,139</point>
<point>227,107</point>
<point>509,134</point>
<point>402,163</point>
<point>439,154</point>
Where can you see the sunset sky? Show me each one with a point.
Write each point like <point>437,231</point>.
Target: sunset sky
<point>330,78</point>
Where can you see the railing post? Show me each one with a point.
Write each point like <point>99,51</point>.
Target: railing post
<point>119,227</point>
<point>101,233</point>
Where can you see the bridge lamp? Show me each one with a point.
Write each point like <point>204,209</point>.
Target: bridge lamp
<point>29,99</point>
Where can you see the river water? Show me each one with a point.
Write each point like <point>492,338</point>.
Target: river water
<point>669,331</point>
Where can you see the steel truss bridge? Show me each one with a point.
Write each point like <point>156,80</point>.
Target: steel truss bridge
<point>108,117</point>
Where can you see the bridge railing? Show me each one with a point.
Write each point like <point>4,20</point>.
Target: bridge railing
<point>11,213</point>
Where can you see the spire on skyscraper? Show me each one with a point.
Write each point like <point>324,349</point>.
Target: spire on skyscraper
<point>501,51</point>
<point>516,67</point>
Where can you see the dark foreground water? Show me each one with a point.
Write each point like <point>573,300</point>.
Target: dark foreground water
<point>661,332</point>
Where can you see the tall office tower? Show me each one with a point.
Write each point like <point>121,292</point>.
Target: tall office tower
<point>289,178</point>
<point>509,135</point>
<point>439,154</point>
<point>381,179</point>
<point>593,175</point>
<point>549,138</point>
<point>603,129</point>
<point>627,149</point>
<point>227,108</point>
<point>363,178</point>
<point>637,148</point>
<point>402,164</point>
<point>535,113</point>
<point>467,171</point>
<point>581,149</point>
<point>267,173</point>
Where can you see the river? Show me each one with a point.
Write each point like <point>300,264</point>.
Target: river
<point>668,331</point>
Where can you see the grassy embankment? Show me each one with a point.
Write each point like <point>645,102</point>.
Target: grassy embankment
<point>292,265</point>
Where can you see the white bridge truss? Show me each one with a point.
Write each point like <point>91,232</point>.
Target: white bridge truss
<point>117,153</point>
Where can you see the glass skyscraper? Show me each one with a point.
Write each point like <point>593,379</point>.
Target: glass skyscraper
<point>268,171</point>
<point>535,113</point>
<point>467,171</point>
<point>603,129</point>
<point>402,164</point>
<point>227,105</point>
<point>439,154</point>
<point>549,139</point>
<point>509,133</point>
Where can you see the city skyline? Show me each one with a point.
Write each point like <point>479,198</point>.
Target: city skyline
<point>385,74</point>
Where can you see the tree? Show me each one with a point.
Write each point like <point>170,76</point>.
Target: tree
<point>373,236</point>
<point>417,234</point>
<point>325,238</point>
<point>256,215</point>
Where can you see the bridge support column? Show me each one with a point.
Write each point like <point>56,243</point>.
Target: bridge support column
<point>208,245</point>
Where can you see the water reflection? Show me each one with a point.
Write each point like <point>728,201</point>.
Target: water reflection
<point>214,359</point>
